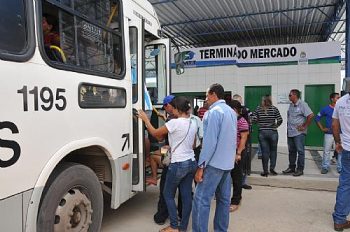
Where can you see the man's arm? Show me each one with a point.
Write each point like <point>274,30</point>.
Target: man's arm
<point>209,142</point>
<point>308,120</point>
<point>336,134</point>
<point>318,119</point>
<point>321,127</point>
<point>306,123</point>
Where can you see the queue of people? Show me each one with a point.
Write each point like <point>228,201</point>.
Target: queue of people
<point>211,151</point>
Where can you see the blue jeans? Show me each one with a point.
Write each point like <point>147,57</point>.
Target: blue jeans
<point>296,145</point>
<point>328,142</point>
<point>339,166</point>
<point>179,174</point>
<point>268,140</point>
<point>218,182</point>
<point>342,204</point>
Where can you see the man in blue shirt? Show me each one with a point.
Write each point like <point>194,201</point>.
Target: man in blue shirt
<point>215,163</point>
<point>328,141</point>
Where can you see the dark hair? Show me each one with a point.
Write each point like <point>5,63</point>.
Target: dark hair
<point>236,105</point>
<point>51,20</point>
<point>296,92</point>
<point>218,90</point>
<point>181,104</point>
<point>333,96</point>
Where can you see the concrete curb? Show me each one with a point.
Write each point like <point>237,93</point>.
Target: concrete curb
<point>302,182</point>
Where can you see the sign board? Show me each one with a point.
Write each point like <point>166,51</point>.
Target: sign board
<point>264,55</point>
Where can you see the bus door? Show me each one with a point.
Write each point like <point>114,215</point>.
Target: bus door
<point>157,80</point>
<point>157,70</point>
<point>136,57</point>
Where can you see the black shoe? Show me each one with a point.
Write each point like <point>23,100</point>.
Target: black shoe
<point>160,220</point>
<point>272,172</point>
<point>264,174</point>
<point>248,187</point>
<point>298,173</point>
<point>288,171</point>
<point>259,157</point>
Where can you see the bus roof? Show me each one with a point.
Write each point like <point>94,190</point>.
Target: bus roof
<point>143,9</point>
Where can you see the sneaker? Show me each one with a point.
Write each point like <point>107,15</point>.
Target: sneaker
<point>324,171</point>
<point>248,187</point>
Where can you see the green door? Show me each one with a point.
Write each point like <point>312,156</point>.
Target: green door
<point>316,96</point>
<point>252,99</point>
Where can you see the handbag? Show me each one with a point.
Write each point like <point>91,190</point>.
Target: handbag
<point>166,158</point>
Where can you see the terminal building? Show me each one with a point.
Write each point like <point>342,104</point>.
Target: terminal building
<point>252,72</point>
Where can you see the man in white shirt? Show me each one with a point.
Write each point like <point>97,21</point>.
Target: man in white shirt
<point>341,121</point>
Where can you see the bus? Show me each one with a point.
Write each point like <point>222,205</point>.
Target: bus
<point>73,74</point>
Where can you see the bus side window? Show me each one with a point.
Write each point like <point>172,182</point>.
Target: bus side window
<point>52,39</point>
<point>87,38</point>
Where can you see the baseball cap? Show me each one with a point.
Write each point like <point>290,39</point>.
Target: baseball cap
<point>167,100</point>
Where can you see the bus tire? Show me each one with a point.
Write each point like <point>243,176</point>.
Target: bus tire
<point>72,200</point>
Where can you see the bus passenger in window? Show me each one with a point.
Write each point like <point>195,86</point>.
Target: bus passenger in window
<point>51,37</point>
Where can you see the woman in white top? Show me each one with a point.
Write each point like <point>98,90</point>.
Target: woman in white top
<point>182,133</point>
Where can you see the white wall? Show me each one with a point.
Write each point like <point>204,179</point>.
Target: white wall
<point>281,78</point>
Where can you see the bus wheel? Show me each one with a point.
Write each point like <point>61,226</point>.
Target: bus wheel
<point>72,201</point>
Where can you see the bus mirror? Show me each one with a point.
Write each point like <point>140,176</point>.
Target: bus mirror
<point>179,63</point>
<point>180,69</point>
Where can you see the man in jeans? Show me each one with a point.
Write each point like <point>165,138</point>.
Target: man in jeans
<point>215,163</point>
<point>328,140</point>
<point>299,118</point>
<point>341,120</point>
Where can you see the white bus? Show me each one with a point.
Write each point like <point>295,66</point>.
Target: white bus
<point>67,130</point>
